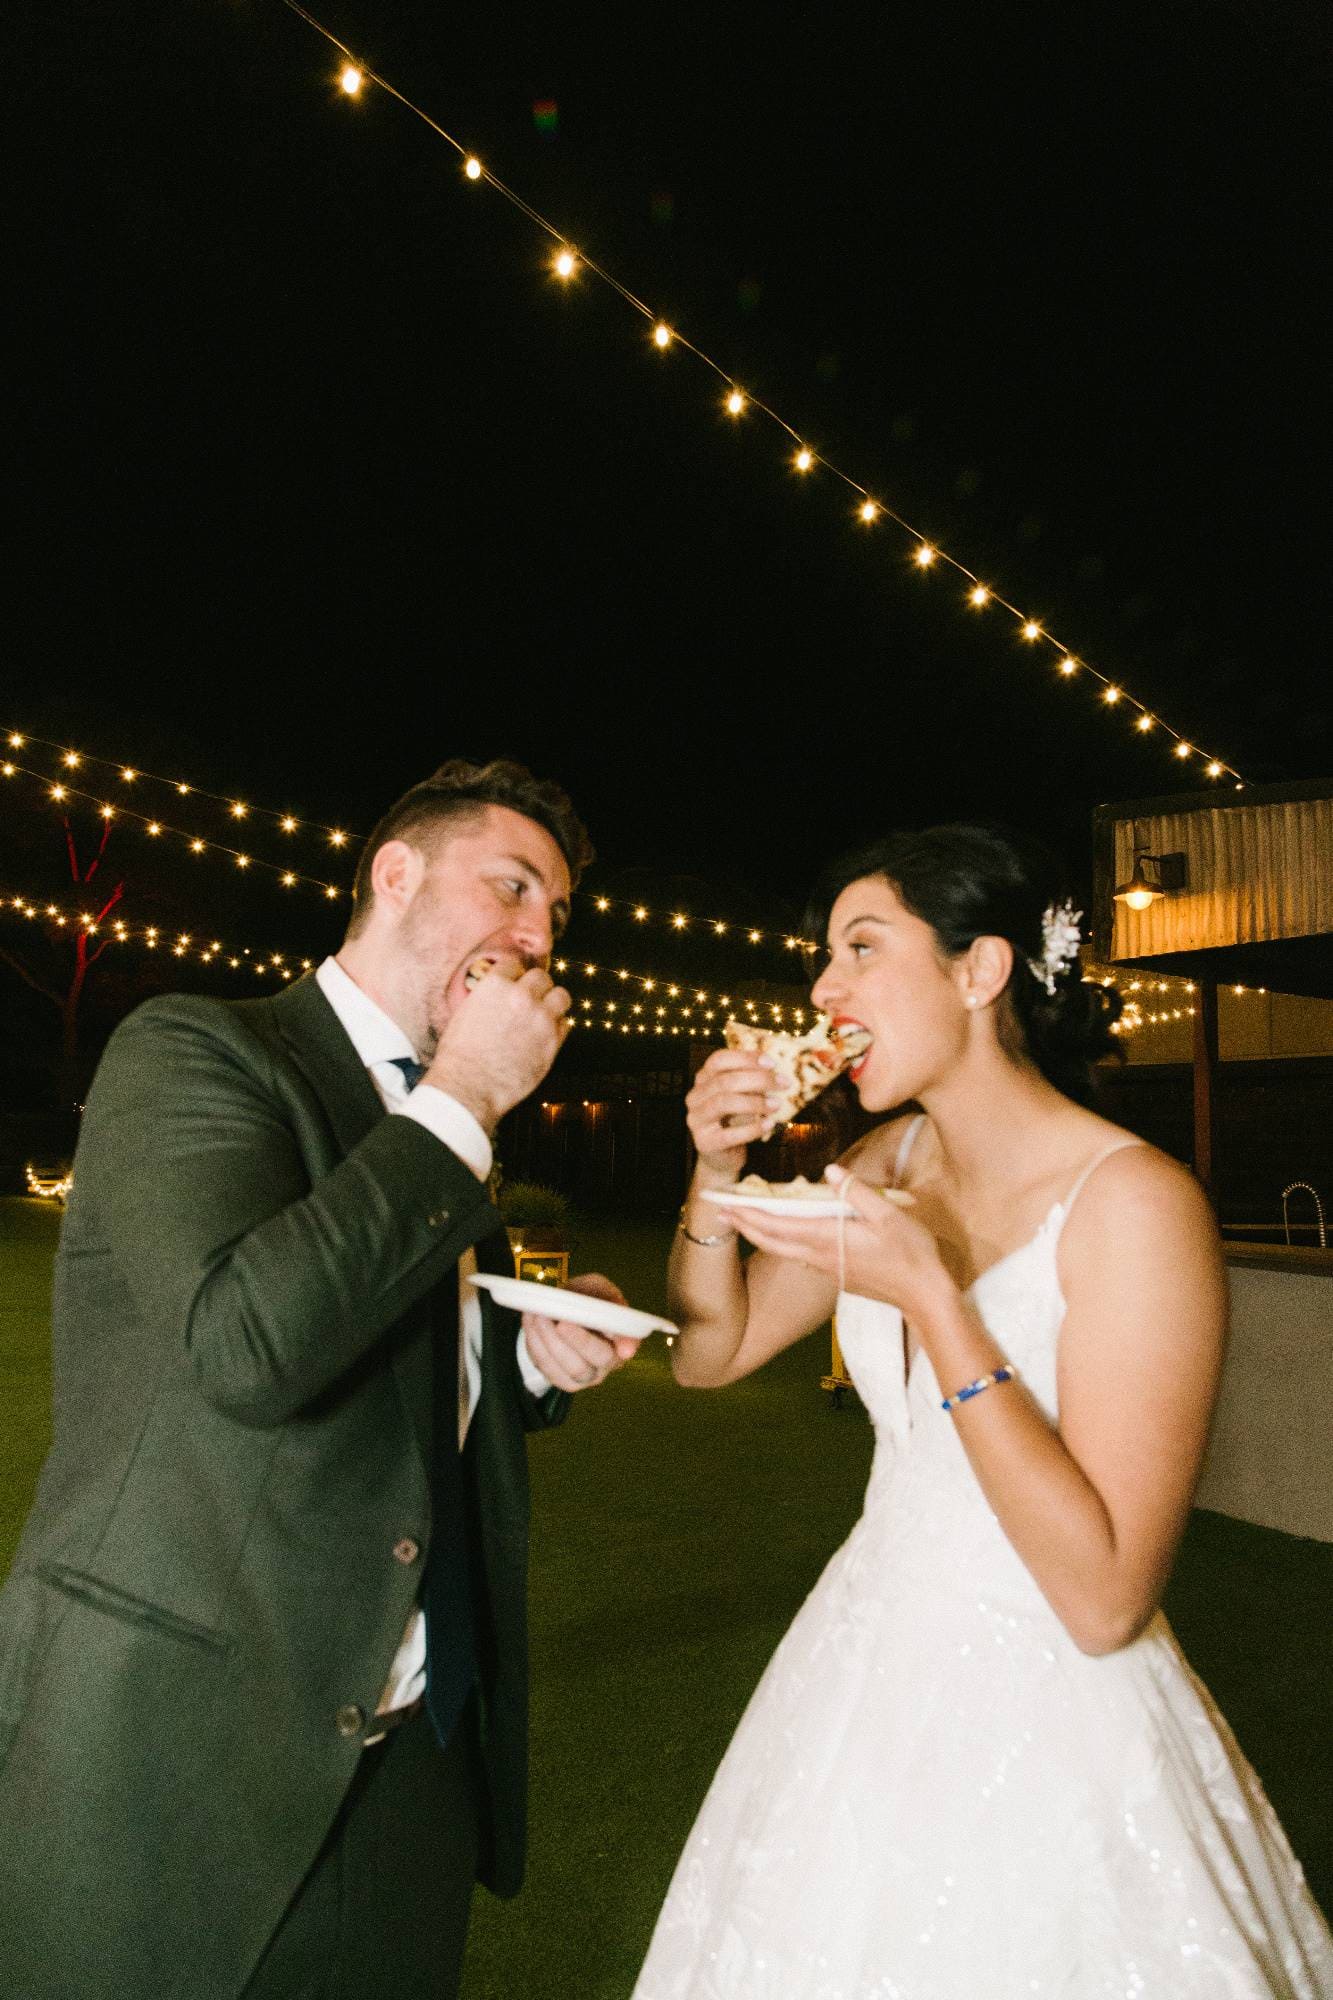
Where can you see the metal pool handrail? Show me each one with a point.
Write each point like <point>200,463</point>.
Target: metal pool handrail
<point>1298,1187</point>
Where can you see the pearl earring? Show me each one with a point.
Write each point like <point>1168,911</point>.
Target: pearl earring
<point>971,1000</point>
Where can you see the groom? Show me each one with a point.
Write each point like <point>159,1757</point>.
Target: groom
<point>263,1674</point>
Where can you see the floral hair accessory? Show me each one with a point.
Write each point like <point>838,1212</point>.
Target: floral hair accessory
<point>1060,940</point>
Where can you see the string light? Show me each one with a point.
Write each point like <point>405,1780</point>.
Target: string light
<point>978,596</point>
<point>571,973</point>
<point>59,794</point>
<point>664,336</point>
<point>350,80</point>
<point>564,263</point>
<point>804,459</point>
<point>132,774</point>
<point>338,837</point>
<point>925,556</point>
<point>1068,666</point>
<point>150,936</point>
<point>868,511</point>
<point>735,403</point>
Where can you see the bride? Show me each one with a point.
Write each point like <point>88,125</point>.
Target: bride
<point>978,1766</point>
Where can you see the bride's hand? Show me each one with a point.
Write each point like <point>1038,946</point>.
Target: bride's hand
<point>885,1253</point>
<point>727,1108</point>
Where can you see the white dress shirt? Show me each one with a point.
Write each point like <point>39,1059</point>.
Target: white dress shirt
<point>380,1042</point>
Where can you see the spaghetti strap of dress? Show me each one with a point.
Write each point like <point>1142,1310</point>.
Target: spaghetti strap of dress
<point>1117,1146</point>
<point>905,1146</point>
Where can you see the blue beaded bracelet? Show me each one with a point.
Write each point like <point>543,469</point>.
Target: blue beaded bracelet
<point>1005,1374</point>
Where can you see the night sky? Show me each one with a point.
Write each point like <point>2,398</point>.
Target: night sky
<point>323,478</point>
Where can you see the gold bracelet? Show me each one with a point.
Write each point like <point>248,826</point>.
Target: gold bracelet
<point>704,1242</point>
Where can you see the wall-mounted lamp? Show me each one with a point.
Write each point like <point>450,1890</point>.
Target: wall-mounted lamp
<point>1154,876</point>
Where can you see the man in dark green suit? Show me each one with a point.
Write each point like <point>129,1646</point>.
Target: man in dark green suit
<point>263,1675</point>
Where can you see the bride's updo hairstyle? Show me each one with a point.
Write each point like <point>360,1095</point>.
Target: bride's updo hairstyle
<point>968,882</point>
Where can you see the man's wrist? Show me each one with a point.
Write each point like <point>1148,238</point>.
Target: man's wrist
<point>442,1077</point>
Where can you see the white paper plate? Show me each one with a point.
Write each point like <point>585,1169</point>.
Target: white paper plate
<point>600,1315</point>
<point>796,1204</point>
<point>777,1204</point>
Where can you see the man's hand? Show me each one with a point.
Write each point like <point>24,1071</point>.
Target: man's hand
<point>501,1041</point>
<point>574,1357</point>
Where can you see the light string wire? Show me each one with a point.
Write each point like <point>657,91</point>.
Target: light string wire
<point>58,790</point>
<point>674,984</point>
<point>680,1005</point>
<point>666,994</point>
<point>926,553</point>
<point>685,1016</point>
<point>59,793</point>
<point>132,774</point>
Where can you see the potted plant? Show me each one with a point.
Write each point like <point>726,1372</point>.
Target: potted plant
<point>536,1217</point>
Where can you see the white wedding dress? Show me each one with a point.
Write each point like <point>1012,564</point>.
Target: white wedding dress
<point>934,1795</point>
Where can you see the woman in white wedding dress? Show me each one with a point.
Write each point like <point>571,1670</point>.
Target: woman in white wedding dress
<point>978,1766</point>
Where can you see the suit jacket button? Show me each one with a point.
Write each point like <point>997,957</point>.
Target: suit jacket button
<point>407,1550</point>
<point>350,1720</point>
<point>438,1220</point>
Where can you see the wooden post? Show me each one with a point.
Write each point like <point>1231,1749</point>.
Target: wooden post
<point>1205,1079</point>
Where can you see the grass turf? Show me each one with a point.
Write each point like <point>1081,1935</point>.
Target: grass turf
<point>673,1537</point>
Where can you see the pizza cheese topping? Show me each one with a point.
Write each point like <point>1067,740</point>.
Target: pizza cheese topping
<point>803,1064</point>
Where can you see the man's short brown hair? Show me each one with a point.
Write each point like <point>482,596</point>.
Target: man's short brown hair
<point>458,794</point>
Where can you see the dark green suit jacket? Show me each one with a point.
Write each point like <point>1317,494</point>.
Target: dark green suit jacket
<point>256,1268</point>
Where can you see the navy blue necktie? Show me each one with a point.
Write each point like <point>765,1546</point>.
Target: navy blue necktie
<point>413,1071</point>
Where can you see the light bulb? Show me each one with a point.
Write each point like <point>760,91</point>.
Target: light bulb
<point>869,511</point>
<point>662,334</point>
<point>804,459</point>
<point>350,80</point>
<point>1032,629</point>
<point>735,403</point>
<point>565,263</point>
<point>978,595</point>
<point>472,167</point>
<point>925,556</point>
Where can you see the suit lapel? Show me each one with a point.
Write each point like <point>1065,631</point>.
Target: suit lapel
<point>322,1050</point>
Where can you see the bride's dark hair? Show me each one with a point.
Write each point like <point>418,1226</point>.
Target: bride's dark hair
<point>968,882</point>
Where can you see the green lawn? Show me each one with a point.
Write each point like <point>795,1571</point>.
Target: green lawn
<point>673,1537</point>
<point>28,1231</point>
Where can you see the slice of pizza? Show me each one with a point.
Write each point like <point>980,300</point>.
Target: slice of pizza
<point>803,1064</point>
